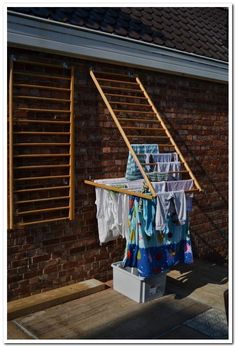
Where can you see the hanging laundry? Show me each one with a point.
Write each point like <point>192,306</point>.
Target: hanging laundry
<point>170,202</point>
<point>182,185</point>
<point>179,185</point>
<point>164,157</point>
<point>112,214</point>
<point>159,186</point>
<point>165,167</point>
<point>152,251</point>
<point>161,171</point>
<point>132,170</point>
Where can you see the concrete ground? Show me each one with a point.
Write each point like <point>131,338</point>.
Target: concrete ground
<point>192,308</point>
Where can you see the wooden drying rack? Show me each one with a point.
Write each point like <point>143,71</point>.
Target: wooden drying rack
<point>33,156</point>
<point>132,84</point>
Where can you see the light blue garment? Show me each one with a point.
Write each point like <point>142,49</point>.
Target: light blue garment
<point>161,171</point>
<point>132,170</point>
<point>165,157</point>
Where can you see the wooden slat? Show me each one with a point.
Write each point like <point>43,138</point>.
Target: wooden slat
<point>30,62</point>
<point>119,190</point>
<point>143,128</point>
<point>41,75</point>
<point>123,89</point>
<point>42,121</point>
<point>128,103</point>
<point>141,120</point>
<point>32,178</point>
<point>114,74</point>
<point>116,81</point>
<point>41,133</point>
<point>151,164</point>
<point>43,199</point>
<point>40,166</point>
<point>123,135</point>
<point>149,136</point>
<point>169,135</point>
<point>43,221</point>
<point>72,149</point>
<point>166,172</point>
<point>10,158</point>
<point>42,301</point>
<point>23,213</point>
<point>40,189</point>
<point>41,155</point>
<point>24,85</point>
<point>133,111</point>
<point>41,144</point>
<point>39,98</point>
<point>126,96</point>
<point>42,110</point>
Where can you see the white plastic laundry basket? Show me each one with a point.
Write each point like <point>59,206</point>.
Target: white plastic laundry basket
<point>140,289</point>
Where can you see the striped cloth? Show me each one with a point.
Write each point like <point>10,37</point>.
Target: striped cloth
<point>132,170</point>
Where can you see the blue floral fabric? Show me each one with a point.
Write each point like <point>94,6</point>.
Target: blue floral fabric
<point>152,251</point>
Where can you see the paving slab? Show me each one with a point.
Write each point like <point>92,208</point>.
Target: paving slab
<point>184,312</point>
<point>201,281</point>
<point>212,323</point>
<point>16,333</point>
<point>110,315</point>
<point>184,333</point>
<point>52,297</point>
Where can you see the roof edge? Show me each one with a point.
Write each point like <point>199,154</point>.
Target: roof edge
<point>63,38</point>
<point>114,35</point>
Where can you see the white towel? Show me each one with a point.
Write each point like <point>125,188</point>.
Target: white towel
<point>112,214</point>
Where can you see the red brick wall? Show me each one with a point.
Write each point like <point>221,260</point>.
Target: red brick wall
<point>51,255</point>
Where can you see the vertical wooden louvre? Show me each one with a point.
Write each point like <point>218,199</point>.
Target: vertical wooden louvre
<point>138,121</point>
<point>41,143</point>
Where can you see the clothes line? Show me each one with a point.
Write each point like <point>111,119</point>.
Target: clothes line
<point>129,192</point>
<point>120,190</point>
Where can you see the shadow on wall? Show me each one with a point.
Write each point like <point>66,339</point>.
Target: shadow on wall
<point>203,205</point>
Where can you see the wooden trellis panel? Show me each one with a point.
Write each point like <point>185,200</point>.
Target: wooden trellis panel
<point>138,121</point>
<point>40,143</point>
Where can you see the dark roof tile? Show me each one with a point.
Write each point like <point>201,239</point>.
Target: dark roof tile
<point>121,31</point>
<point>107,28</point>
<point>92,24</point>
<point>158,41</point>
<point>82,12</point>
<point>199,30</point>
<point>145,37</point>
<point>134,35</point>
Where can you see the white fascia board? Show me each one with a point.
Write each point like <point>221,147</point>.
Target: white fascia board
<point>36,33</point>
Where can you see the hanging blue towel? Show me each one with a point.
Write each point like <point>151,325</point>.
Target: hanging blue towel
<point>132,170</point>
<point>152,251</point>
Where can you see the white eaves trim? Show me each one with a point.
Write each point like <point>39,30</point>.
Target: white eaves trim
<point>50,36</point>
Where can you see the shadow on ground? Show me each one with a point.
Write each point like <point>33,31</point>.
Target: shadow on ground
<point>195,276</point>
